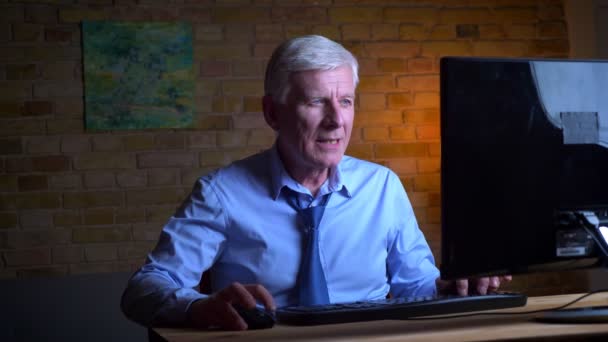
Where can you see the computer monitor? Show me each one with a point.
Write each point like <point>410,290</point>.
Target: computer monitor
<point>524,165</point>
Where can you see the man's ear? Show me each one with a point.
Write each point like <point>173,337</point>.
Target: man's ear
<point>270,112</point>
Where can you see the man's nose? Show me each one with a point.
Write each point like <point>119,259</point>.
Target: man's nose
<point>333,114</point>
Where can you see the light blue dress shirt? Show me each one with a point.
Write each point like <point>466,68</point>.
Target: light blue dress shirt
<point>238,223</point>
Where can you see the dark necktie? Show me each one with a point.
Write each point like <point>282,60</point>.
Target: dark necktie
<point>311,279</point>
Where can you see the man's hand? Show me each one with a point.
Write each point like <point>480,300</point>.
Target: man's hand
<point>217,310</point>
<point>464,287</point>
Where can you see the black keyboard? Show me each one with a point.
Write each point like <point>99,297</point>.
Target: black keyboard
<point>395,308</point>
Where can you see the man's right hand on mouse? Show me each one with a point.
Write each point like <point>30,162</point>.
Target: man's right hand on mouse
<point>217,310</point>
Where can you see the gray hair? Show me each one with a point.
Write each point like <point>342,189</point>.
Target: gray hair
<point>301,54</point>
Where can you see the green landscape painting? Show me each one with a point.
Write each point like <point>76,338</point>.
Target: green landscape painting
<point>137,75</point>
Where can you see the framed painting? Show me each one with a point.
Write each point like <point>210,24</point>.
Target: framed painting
<point>137,75</point>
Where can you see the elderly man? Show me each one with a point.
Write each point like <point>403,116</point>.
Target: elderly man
<point>244,224</point>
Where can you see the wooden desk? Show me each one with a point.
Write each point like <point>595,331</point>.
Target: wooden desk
<point>479,328</point>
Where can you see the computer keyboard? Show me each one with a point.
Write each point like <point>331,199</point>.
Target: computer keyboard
<point>395,308</point>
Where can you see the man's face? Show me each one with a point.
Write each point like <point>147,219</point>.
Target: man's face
<point>316,120</point>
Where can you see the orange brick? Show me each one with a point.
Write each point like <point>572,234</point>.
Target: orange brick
<point>60,71</point>
<point>14,90</point>
<point>161,177</point>
<point>233,138</point>
<point>213,122</point>
<point>550,48</point>
<point>99,216</point>
<point>75,200</point>
<point>306,15</point>
<point>427,182</point>
<point>204,139</point>
<point>403,166</point>
<point>391,64</point>
<point>8,220</point>
<point>418,199</point>
<point>50,163</point>
<point>11,146</point>
<point>129,179</point>
<point>58,35</point>
<point>261,137</point>
<point>21,72</point>
<point>208,33</point>
<point>419,82</point>
<point>421,115</point>
<point>38,200</point>
<point>252,104</point>
<point>426,100</point>
<point>550,12</point>
<point>155,196</point>
<point>243,87</point>
<point>433,215</point>
<point>385,31</point>
<point>106,143</point>
<point>239,33</point>
<point>434,149</point>
<point>495,32</point>
<point>67,254</point>
<point>33,183</point>
<point>520,31</point>
<point>170,141</point>
<point>58,126</point>
<point>224,51</point>
<point>376,118</point>
<point>376,83</point>
<point>429,165</point>
<point>67,218</point>
<point>11,109</point>
<point>372,101</point>
<point>517,15</point>
<point>58,89</point>
<point>166,159</point>
<point>40,256</point>
<point>97,180</point>
<point>444,32</point>
<point>467,16</point>
<point>425,15</point>
<point>401,150</point>
<point>413,32</point>
<point>459,48</point>
<point>552,30</point>
<point>248,68</point>
<point>78,15</point>
<point>27,32</point>
<point>403,133</point>
<point>400,100</point>
<point>375,133</point>
<point>253,120</point>
<point>227,104</point>
<point>356,32</point>
<point>104,160</point>
<point>194,14</point>
<point>138,142</point>
<point>227,15</point>
<point>355,15</point>
<point>38,108</point>
<point>65,182</point>
<point>361,151</point>
<point>101,234</point>
<point>8,183</point>
<point>329,31</point>
<point>130,215</point>
<point>393,49</point>
<point>500,48</point>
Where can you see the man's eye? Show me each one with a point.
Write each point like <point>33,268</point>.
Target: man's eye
<point>346,102</point>
<point>316,102</point>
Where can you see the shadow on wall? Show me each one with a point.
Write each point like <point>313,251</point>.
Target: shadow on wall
<point>73,308</point>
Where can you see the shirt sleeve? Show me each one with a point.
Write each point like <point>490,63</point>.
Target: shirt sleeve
<point>410,263</point>
<point>162,290</point>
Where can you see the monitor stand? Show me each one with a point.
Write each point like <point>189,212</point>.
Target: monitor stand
<point>591,314</point>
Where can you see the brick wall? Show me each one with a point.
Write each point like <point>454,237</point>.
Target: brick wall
<point>78,202</point>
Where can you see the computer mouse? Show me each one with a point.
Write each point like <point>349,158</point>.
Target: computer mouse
<point>256,318</point>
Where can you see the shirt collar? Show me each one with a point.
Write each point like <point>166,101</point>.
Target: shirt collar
<point>337,181</point>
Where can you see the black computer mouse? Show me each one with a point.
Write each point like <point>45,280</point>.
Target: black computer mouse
<point>256,318</point>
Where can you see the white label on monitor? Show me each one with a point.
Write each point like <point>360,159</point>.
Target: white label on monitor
<point>604,232</point>
<point>571,251</point>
